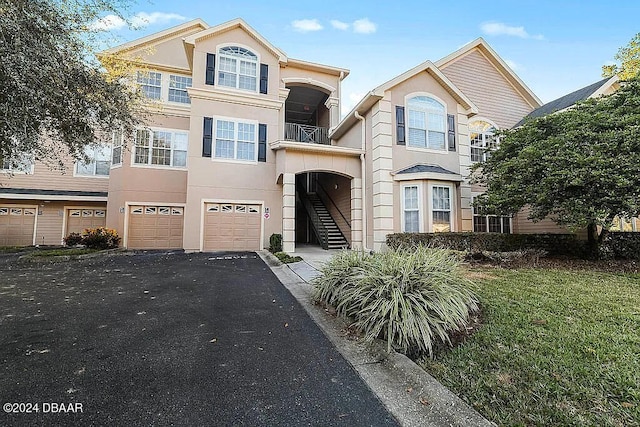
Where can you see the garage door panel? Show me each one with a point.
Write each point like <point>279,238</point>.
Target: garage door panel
<point>80,219</point>
<point>16,225</point>
<point>155,227</point>
<point>232,227</point>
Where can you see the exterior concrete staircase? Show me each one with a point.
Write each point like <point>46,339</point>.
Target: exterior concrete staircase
<point>335,238</point>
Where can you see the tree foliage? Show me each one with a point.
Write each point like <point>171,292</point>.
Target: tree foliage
<point>628,58</point>
<point>580,167</point>
<point>55,97</point>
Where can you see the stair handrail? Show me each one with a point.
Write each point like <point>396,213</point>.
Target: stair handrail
<point>321,232</point>
<point>326,193</point>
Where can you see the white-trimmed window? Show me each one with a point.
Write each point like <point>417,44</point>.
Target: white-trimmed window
<point>483,140</point>
<point>161,147</point>
<point>150,84</point>
<point>21,164</point>
<point>410,209</point>
<point>99,161</point>
<point>116,148</point>
<point>440,208</point>
<point>238,68</point>
<point>486,222</point>
<point>178,89</point>
<point>235,140</point>
<point>427,123</point>
<point>625,224</point>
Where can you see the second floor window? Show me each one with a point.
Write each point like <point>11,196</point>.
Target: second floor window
<point>160,147</point>
<point>98,164</point>
<point>19,164</point>
<point>178,89</point>
<point>483,140</point>
<point>427,123</point>
<point>238,68</point>
<point>235,140</point>
<point>150,84</point>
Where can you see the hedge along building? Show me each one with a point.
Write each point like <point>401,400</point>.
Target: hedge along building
<point>243,142</point>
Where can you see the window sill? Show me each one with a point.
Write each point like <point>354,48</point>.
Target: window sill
<point>236,161</point>
<point>161,167</point>
<point>429,150</point>
<point>75,175</point>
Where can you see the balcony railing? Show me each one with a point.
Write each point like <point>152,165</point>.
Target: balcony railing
<point>306,133</point>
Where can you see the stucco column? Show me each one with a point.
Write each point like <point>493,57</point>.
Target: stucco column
<point>382,156</point>
<point>356,214</point>
<point>289,212</point>
<point>464,155</point>
<point>332,104</point>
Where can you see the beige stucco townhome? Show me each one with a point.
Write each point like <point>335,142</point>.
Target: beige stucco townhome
<point>244,142</point>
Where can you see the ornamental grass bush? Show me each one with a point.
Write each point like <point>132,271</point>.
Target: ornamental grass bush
<point>413,299</point>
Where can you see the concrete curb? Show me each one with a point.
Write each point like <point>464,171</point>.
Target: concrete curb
<point>412,396</point>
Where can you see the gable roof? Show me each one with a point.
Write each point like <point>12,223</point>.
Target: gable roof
<point>495,59</point>
<point>191,40</point>
<point>378,93</point>
<point>424,168</point>
<point>158,37</point>
<point>570,99</point>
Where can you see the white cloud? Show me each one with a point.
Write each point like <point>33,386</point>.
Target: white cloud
<point>351,101</point>
<point>139,20</point>
<point>339,25</point>
<point>306,25</point>
<point>108,23</point>
<point>501,29</point>
<point>513,65</point>
<point>364,26</point>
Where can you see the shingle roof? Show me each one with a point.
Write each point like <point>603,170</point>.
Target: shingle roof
<point>426,168</point>
<point>564,101</point>
<point>35,191</point>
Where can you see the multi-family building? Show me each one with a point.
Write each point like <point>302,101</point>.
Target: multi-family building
<point>243,142</point>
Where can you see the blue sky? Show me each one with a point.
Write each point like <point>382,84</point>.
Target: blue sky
<point>554,46</point>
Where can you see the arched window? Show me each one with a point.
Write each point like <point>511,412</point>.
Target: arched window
<point>238,68</point>
<point>427,123</point>
<point>483,140</point>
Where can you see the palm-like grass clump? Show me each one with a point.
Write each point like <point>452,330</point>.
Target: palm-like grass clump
<point>408,298</point>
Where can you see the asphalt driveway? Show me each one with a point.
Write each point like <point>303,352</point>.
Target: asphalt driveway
<point>168,339</point>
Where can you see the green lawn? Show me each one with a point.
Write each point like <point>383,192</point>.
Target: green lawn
<point>556,347</point>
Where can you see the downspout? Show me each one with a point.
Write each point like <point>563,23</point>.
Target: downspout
<point>363,179</point>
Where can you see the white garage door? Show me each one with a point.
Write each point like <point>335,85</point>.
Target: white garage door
<point>155,227</point>
<point>232,226</point>
<point>17,225</point>
<point>80,219</point>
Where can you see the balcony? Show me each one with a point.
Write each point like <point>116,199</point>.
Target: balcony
<point>306,133</point>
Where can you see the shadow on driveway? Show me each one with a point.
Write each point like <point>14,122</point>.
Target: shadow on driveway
<point>180,339</point>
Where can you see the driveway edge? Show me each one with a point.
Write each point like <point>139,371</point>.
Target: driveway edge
<point>412,396</point>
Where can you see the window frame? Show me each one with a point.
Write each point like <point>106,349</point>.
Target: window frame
<point>169,89</point>
<point>27,161</point>
<point>165,86</point>
<point>486,220</point>
<point>220,55</point>
<point>484,146</point>
<point>235,158</point>
<point>142,84</point>
<point>403,208</point>
<point>149,146</point>
<point>407,113</point>
<point>107,147</point>
<point>117,143</point>
<point>452,204</point>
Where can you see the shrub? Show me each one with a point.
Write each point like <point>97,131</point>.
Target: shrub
<point>100,238</point>
<point>286,258</point>
<point>552,244</point>
<point>275,243</point>
<point>622,245</point>
<point>412,299</point>
<point>73,239</point>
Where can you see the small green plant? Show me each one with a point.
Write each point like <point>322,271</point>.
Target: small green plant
<point>45,253</point>
<point>286,258</point>
<point>275,243</point>
<point>100,238</point>
<point>412,299</point>
<point>73,239</point>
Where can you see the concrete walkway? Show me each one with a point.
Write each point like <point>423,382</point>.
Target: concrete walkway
<point>413,396</point>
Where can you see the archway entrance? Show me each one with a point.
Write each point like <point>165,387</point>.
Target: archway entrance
<point>323,210</point>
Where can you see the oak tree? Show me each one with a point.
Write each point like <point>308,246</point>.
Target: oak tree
<point>579,167</point>
<point>55,97</point>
